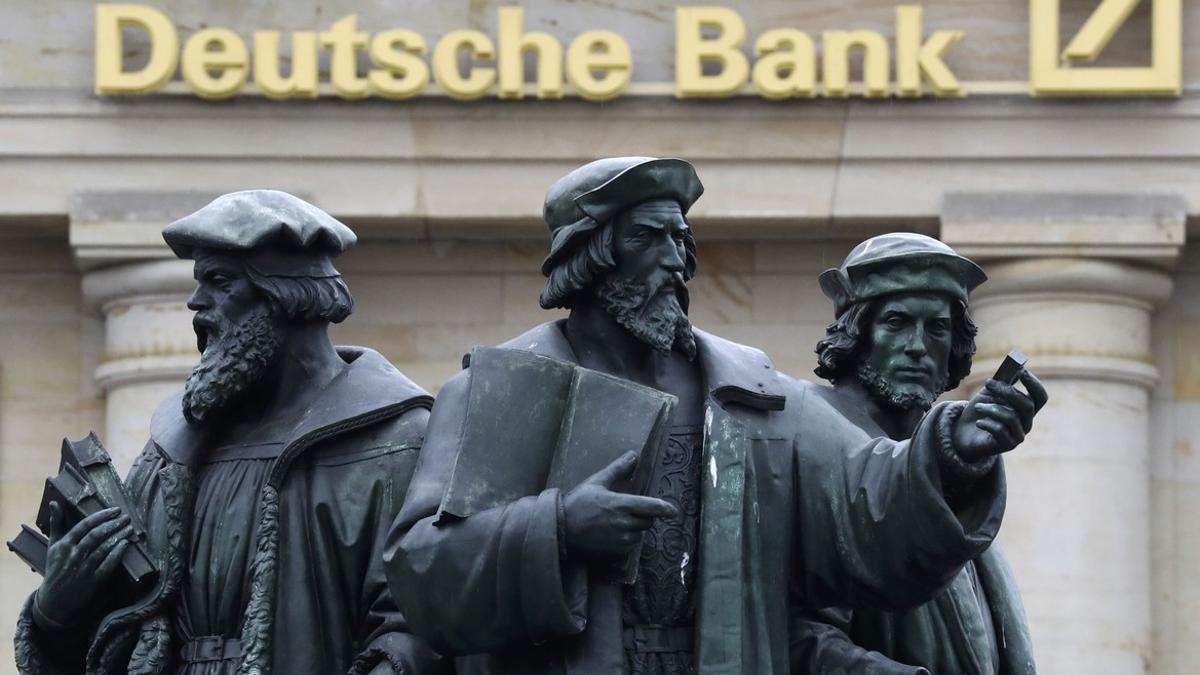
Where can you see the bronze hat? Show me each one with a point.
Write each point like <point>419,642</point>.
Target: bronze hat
<point>591,195</point>
<point>899,262</point>
<point>300,237</point>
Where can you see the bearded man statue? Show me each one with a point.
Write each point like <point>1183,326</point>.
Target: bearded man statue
<point>267,486</point>
<point>902,336</point>
<point>746,511</point>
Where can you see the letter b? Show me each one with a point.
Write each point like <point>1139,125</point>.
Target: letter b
<point>692,51</point>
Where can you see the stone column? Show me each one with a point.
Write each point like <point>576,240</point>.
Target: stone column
<point>149,346</point>
<point>1073,281</point>
<point>137,285</point>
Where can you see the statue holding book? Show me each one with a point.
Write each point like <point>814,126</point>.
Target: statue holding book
<point>902,336</point>
<point>620,492</point>
<point>264,493</point>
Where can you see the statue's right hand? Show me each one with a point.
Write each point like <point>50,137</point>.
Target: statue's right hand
<point>80,561</point>
<point>603,523</point>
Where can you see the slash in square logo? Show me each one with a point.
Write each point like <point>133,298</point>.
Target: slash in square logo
<point>1054,71</point>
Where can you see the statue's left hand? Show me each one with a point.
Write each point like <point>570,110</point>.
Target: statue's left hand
<point>382,668</point>
<point>998,417</point>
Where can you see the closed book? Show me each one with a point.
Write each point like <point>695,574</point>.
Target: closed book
<point>534,422</point>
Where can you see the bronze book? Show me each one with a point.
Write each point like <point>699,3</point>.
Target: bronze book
<point>534,422</point>
<point>87,483</point>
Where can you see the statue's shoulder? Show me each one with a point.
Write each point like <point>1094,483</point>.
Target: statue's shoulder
<point>382,410</point>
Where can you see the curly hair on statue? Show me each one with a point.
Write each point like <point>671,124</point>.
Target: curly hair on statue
<point>846,341</point>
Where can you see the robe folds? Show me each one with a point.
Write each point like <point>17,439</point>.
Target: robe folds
<point>974,626</point>
<point>782,524</point>
<point>318,602</point>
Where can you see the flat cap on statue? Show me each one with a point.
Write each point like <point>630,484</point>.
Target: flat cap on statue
<point>900,262</point>
<point>591,195</point>
<point>300,236</point>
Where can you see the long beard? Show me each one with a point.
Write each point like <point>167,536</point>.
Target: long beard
<point>883,391</point>
<point>657,319</point>
<point>232,363</point>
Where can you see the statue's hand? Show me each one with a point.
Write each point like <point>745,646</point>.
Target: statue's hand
<point>604,523</point>
<point>80,561</point>
<point>998,417</point>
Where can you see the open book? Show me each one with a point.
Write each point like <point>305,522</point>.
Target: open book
<point>86,483</point>
<point>534,422</point>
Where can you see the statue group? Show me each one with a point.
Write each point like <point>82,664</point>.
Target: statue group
<point>614,492</point>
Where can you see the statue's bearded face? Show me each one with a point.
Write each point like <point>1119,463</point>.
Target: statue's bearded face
<point>238,336</point>
<point>645,292</point>
<point>907,363</point>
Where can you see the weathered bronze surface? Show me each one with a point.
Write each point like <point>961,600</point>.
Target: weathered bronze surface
<point>267,485</point>
<point>902,336</point>
<point>765,499</point>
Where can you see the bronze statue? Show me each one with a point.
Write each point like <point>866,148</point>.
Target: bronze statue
<point>267,486</point>
<point>753,508</point>
<point>901,338</point>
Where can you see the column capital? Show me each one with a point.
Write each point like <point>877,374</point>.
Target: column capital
<point>145,280</point>
<point>1138,227</point>
<point>113,227</point>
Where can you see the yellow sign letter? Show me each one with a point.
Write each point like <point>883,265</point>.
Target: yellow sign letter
<point>692,51</point>
<point>599,52</point>
<point>915,59</point>
<point>786,66</point>
<point>215,73</point>
<point>110,52</point>
<point>514,44</point>
<point>445,64</point>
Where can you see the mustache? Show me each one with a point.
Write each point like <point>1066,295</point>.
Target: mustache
<point>675,283</point>
<point>206,329</point>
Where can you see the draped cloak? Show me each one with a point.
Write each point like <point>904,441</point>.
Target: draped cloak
<point>975,626</point>
<point>318,602</point>
<point>781,524</point>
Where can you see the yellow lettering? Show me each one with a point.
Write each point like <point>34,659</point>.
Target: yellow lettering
<point>514,44</point>
<point>1054,73</point>
<point>836,77</point>
<point>343,41</point>
<point>916,59</point>
<point>786,65</point>
<point>445,64</point>
<point>402,73</point>
<point>693,51</point>
<point>111,77</point>
<point>215,63</point>
<point>302,81</point>
<point>599,52</point>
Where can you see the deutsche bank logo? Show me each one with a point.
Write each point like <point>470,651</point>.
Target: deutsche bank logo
<point>1054,71</point>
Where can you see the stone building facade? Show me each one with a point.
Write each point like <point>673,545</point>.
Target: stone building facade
<point>1080,210</point>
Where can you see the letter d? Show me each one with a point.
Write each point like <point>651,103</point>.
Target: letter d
<point>110,54</point>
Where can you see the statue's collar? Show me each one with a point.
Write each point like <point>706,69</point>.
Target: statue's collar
<point>367,390</point>
<point>733,373</point>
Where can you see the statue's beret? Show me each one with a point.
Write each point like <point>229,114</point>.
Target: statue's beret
<point>591,195</point>
<point>299,236</point>
<point>900,262</point>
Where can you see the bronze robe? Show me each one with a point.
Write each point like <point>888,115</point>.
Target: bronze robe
<point>318,603</point>
<point>780,523</point>
<point>974,626</point>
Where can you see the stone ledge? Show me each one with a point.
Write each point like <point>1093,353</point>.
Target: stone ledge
<point>1145,227</point>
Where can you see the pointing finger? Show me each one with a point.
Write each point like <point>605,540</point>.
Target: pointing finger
<point>619,468</point>
<point>648,507</point>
